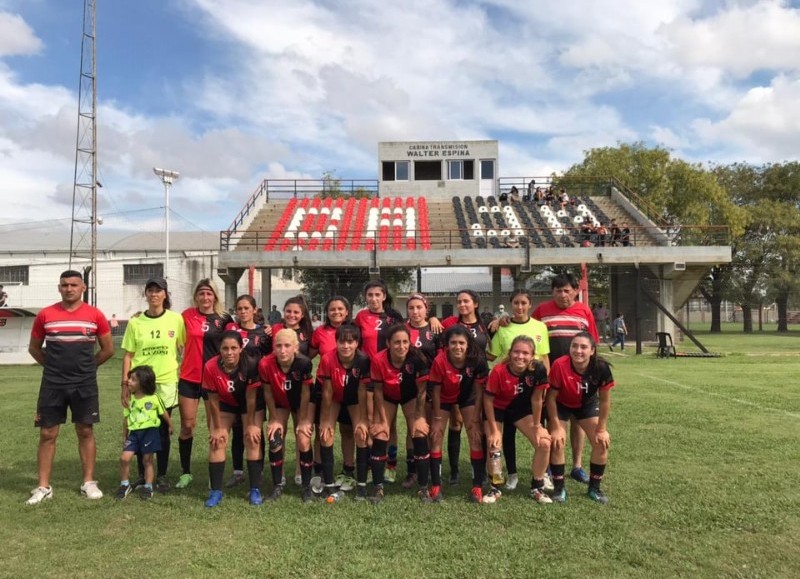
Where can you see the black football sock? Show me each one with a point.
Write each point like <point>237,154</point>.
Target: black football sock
<point>185,451</point>
<point>422,458</point>
<point>216,471</point>
<point>453,449</point>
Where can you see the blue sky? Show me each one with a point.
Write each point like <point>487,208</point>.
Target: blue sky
<point>232,92</point>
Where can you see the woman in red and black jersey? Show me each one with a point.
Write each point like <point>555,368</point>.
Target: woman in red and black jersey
<point>256,340</point>
<point>286,379</point>
<point>323,341</point>
<point>457,378</point>
<point>205,322</point>
<point>581,386</point>
<point>399,376</point>
<point>468,305</point>
<point>377,318</point>
<point>515,394</point>
<point>344,375</point>
<point>231,383</point>
<point>297,318</point>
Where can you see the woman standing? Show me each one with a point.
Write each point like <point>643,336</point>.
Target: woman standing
<point>515,395</point>
<point>155,339</point>
<point>399,376</point>
<point>296,318</point>
<point>286,379</point>
<point>323,342</point>
<point>232,385</point>
<point>205,322</point>
<point>519,324</point>
<point>580,388</point>
<point>468,305</point>
<point>256,340</point>
<point>457,378</point>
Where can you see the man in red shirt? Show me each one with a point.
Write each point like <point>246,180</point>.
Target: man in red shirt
<point>564,317</point>
<point>63,341</point>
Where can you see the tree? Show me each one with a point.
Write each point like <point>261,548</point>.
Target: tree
<point>670,191</point>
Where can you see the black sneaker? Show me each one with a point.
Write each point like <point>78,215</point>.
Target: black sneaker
<point>377,497</point>
<point>598,496</point>
<point>306,494</point>
<point>122,492</point>
<point>162,484</point>
<point>138,484</point>
<point>277,492</point>
<point>361,493</point>
<point>145,493</point>
<point>454,478</point>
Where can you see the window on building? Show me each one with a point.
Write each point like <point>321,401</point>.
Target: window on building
<point>447,310</point>
<point>14,274</point>
<point>487,169</point>
<point>138,273</point>
<point>461,170</point>
<point>395,170</point>
<point>427,170</point>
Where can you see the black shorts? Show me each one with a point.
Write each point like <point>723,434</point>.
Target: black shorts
<point>590,409</point>
<point>230,409</point>
<point>344,414</point>
<point>51,408</point>
<point>191,390</point>
<point>513,413</point>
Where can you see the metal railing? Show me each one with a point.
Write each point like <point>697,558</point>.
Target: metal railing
<point>286,189</point>
<point>539,237</point>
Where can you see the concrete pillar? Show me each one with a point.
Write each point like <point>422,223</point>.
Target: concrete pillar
<point>667,300</point>
<point>497,288</point>
<point>266,289</point>
<point>230,276</point>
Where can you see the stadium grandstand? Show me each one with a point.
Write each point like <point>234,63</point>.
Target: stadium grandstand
<point>441,204</point>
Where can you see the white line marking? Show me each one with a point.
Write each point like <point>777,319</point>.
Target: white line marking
<point>707,393</point>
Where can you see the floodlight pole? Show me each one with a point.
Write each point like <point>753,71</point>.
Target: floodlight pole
<point>167,178</point>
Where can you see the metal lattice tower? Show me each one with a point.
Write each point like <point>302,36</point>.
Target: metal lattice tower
<point>83,237</point>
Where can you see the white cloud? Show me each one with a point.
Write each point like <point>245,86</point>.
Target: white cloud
<point>16,37</point>
<point>763,126</point>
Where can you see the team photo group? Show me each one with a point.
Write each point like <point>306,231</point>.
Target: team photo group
<point>342,382</point>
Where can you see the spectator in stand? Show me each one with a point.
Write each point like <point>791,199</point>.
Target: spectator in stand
<point>549,197</point>
<point>531,187</point>
<point>514,195</point>
<point>587,233</point>
<point>625,236</point>
<point>601,234</point>
<point>616,233</point>
<point>274,316</point>
<point>539,195</point>
<point>563,198</point>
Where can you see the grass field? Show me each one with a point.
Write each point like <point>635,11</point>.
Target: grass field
<point>703,481</point>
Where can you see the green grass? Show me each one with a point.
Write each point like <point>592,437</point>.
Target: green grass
<point>702,480</point>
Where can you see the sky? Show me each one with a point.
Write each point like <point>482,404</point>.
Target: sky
<point>231,92</point>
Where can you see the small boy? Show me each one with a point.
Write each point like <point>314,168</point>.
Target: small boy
<point>140,430</point>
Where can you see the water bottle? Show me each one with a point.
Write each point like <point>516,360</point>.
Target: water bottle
<point>335,497</point>
<point>495,468</point>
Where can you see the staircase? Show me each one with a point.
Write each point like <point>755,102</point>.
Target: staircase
<point>614,211</point>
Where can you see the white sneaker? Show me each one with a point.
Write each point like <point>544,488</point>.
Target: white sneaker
<point>316,485</point>
<point>511,483</point>
<point>40,494</point>
<point>298,480</point>
<point>548,483</point>
<point>90,491</point>
<point>492,496</point>
<point>539,496</point>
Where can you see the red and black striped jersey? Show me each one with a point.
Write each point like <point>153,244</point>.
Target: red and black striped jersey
<point>563,324</point>
<point>455,381</point>
<point>231,387</point>
<point>507,388</point>
<point>574,389</point>
<point>343,380</point>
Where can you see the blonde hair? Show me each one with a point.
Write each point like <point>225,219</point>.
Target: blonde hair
<point>290,335</point>
<point>219,307</point>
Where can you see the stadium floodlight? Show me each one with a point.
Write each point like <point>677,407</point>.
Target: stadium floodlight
<point>167,178</point>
